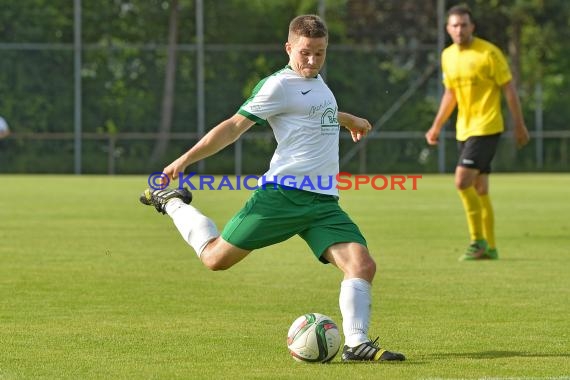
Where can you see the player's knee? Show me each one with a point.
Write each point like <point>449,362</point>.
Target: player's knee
<point>214,264</point>
<point>369,267</point>
<point>219,267</point>
<point>462,183</point>
<point>366,267</point>
<point>481,188</point>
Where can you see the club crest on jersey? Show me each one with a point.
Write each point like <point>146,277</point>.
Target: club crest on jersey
<point>329,122</point>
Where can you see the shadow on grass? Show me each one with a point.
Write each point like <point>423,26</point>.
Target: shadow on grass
<point>499,355</point>
<point>408,362</point>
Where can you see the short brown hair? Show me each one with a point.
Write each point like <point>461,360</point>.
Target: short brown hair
<point>311,26</point>
<point>461,10</point>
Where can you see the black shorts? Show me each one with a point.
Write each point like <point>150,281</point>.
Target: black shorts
<point>477,152</point>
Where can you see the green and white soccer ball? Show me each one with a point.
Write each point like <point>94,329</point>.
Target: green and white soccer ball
<point>313,338</point>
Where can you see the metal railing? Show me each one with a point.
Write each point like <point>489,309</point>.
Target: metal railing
<point>113,140</point>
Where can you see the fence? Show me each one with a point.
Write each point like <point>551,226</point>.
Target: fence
<point>89,143</point>
<point>412,154</point>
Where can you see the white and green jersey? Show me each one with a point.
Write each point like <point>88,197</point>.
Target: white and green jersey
<point>303,115</point>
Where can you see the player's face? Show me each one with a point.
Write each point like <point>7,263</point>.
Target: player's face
<point>307,55</point>
<point>460,29</point>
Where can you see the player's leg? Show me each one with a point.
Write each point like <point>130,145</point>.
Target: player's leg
<point>270,216</point>
<point>334,238</point>
<point>479,152</point>
<point>354,260</point>
<point>221,255</point>
<point>487,215</point>
<point>482,184</point>
<point>466,173</point>
<point>359,269</point>
<point>196,229</point>
<point>464,182</point>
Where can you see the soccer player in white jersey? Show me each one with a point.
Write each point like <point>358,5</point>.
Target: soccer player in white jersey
<point>302,111</point>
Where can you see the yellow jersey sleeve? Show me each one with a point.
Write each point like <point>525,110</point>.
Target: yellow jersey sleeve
<point>499,68</point>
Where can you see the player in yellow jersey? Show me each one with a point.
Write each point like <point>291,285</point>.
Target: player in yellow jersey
<point>475,72</point>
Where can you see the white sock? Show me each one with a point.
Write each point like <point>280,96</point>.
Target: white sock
<point>354,301</point>
<point>194,227</point>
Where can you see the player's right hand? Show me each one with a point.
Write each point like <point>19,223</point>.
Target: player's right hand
<point>432,136</point>
<point>174,169</point>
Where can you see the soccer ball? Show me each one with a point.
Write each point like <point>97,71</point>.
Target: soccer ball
<point>313,338</point>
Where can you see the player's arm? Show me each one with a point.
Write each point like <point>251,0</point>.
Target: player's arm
<point>357,126</point>
<point>215,140</point>
<point>513,102</point>
<point>446,107</point>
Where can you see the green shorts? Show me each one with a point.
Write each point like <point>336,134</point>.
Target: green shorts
<point>276,213</point>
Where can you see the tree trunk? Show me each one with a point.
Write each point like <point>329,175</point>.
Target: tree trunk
<point>514,48</point>
<point>514,54</point>
<point>169,83</point>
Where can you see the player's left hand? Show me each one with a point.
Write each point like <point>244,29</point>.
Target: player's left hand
<point>521,136</point>
<point>358,128</point>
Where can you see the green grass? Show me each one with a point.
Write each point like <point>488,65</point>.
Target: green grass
<point>95,286</point>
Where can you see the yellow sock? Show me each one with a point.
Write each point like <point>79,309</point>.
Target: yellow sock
<point>488,220</point>
<point>472,207</point>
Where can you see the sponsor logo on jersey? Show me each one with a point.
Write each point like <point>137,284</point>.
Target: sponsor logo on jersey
<point>329,122</point>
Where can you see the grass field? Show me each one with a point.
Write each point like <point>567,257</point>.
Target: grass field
<point>95,286</point>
